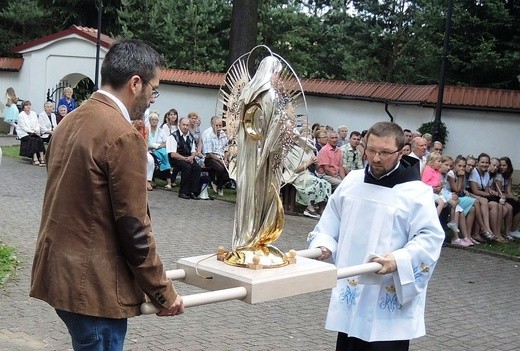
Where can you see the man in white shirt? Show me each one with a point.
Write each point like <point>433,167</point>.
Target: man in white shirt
<point>214,144</point>
<point>419,150</point>
<point>181,147</point>
<point>352,158</point>
<point>383,214</point>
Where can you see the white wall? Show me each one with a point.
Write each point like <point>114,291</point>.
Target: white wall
<point>46,65</point>
<point>470,132</point>
<point>185,100</point>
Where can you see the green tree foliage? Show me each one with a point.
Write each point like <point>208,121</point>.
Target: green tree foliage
<point>66,13</point>
<point>483,47</point>
<point>189,34</point>
<point>361,40</point>
<point>21,21</point>
<point>293,34</point>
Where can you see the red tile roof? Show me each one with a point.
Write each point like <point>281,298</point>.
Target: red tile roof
<point>11,64</point>
<point>181,77</point>
<point>85,32</point>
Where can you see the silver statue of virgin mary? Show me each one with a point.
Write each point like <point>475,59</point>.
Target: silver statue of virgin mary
<point>261,114</point>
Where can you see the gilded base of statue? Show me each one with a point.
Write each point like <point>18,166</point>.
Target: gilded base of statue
<point>266,256</point>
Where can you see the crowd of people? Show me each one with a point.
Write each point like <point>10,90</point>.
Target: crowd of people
<point>473,195</point>
<point>178,146</point>
<point>35,130</point>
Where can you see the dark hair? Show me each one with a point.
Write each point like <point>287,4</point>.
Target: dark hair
<point>483,155</point>
<point>388,129</point>
<point>127,58</point>
<point>407,130</point>
<point>315,126</point>
<point>459,158</point>
<point>26,103</point>
<point>172,110</point>
<point>507,174</point>
<point>355,133</point>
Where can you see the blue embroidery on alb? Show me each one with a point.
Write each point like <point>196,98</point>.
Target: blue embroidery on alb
<point>348,295</point>
<point>420,271</point>
<point>389,302</point>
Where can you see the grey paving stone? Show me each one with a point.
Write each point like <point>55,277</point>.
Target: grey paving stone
<point>473,299</point>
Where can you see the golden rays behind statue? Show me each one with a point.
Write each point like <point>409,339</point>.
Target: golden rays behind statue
<point>260,114</point>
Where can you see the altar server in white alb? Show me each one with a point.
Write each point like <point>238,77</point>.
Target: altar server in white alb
<point>385,214</point>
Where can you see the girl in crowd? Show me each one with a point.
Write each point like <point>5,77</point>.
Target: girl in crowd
<point>11,113</point>
<point>407,149</point>
<point>170,121</point>
<point>481,207</point>
<point>28,130</point>
<point>496,184</point>
<point>433,177</point>
<point>506,170</point>
<point>489,199</point>
<point>456,181</point>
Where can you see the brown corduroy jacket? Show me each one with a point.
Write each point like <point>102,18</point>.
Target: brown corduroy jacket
<point>96,253</point>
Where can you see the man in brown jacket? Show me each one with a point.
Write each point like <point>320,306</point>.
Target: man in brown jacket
<point>96,256</point>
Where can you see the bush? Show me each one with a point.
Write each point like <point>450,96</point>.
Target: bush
<point>428,128</point>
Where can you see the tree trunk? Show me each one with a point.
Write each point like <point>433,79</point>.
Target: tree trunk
<point>244,28</point>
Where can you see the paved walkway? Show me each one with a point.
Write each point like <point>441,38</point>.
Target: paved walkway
<point>473,301</point>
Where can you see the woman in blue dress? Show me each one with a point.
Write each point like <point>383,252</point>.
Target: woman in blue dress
<point>67,100</point>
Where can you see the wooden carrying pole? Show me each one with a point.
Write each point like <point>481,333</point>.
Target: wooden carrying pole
<point>241,292</point>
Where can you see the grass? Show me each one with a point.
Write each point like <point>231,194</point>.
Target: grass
<point>8,262</point>
<point>11,151</point>
<point>511,248</point>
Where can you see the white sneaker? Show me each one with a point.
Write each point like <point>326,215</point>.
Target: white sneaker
<point>468,242</point>
<point>312,214</point>
<point>220,192</point>
<point>453,226</point>
<point>459,242</point>
<point>515,234</point>
<point>214,187</point>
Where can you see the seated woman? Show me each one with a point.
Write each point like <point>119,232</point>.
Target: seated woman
<point>506,208</point>
<point>28,130</point>
<point>455,182</point>
<point>488,198</point>
<point>157,149</point>
<point>310,189</point>
<point>506,170</point>
<point>62,112</point>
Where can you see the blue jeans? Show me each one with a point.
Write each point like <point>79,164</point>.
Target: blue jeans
<point>94,333</point>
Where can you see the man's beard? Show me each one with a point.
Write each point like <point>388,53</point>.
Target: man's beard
<point>139,107</point>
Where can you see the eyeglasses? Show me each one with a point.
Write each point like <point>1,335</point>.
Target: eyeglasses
<point>382,154</point>
<point>155,92</point>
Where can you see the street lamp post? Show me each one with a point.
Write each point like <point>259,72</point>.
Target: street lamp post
<point>98,43</point>
<point>436,128</point>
